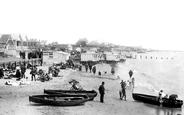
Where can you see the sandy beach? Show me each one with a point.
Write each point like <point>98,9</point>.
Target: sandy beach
<point>14,100</point>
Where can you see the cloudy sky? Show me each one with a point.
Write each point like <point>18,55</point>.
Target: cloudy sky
<point>157,24</point>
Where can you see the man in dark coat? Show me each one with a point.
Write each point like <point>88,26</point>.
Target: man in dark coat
<point>41,57</point>
<point>18,74</point>
<point>90,67</point>
<point>23,70</point>
<point>130,73</point>
<point>20,54</point>
<point>102,92</point>
<point>23,55</point>
<point>1,72</point>
<point>29,55</point>
<point>94,69</point>
<point>112,71</point>
<point>86,67</point>
<point>33,73</point>
<point>99,73</point>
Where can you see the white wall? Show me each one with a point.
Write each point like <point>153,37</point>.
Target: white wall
<point>55,57</point>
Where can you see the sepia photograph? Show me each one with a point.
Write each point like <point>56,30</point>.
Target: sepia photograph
<point>91,57</point>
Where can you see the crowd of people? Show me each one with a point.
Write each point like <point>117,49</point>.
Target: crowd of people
<point>37,53</point>
<point>92,69</point>
<point>18,73</point>
<point>20,70</point>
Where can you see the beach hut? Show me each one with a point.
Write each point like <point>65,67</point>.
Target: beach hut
<point>91,57</point>
<point>55,56</point>
<point>113,57</point>
<point>60,56</point>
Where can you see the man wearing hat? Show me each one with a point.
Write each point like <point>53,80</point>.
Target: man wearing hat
<point>102,92</point>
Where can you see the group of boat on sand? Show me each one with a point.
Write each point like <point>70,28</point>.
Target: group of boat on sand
<point>77,96</point>
<point>70,97</point>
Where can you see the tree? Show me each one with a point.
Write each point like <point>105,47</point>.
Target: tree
<point>54,43</point>
<point>94,43</point>
<point>102,44</point>
<point>82,42</point>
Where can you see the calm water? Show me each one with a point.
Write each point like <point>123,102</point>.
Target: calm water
<point>155,71</point>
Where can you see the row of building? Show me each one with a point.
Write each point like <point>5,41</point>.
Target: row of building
<point>12,44</point>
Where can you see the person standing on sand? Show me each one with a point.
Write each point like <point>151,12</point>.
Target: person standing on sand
<point>23,70</point>
<point>133,82</point>
<point>1,72</point>
<point>33,73</point>
<point>130,73</point>
<point>123,90</point>
<point>99,73</point>
<point>18,74</point>
<point>112,71</point>
<point>86,67</point>
<point>102,92</point>
<point>94,69</point>
<point>90,67</point>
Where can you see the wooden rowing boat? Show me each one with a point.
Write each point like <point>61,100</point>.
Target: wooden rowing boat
<point>91,94</point>
<point>59,100</point>
<point>166,102</point>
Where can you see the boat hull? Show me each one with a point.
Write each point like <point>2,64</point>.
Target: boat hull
<point>91,94</point>
<point>59,100</point>
<point>154,100</point>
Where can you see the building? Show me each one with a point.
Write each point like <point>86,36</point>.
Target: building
<point>12,44</point>
<point>7,45</point>
<point>50,57</point>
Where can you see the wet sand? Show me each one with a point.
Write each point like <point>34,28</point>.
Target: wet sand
<point>15,99</point>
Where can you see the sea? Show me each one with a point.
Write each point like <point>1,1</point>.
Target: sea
<point>155,71</point>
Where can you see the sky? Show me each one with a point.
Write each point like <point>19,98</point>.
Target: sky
<point>156,24</point>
